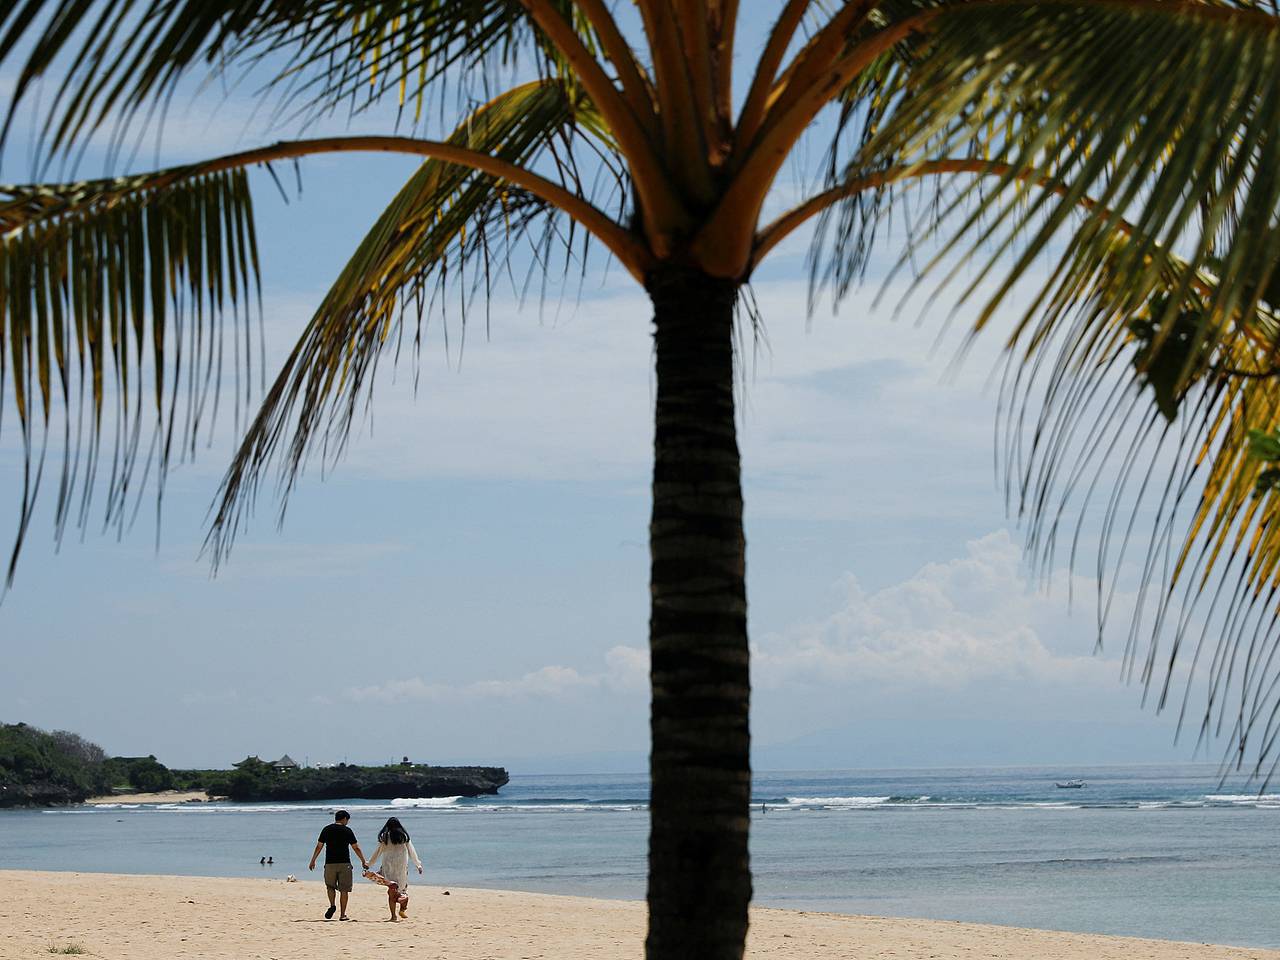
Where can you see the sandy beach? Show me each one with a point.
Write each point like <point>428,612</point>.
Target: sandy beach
<point>163,796</point>
<point>149,918</point>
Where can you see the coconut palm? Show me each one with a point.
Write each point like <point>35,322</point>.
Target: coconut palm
<point>1112,161</point>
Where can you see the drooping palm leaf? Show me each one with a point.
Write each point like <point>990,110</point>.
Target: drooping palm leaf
<point>445,221</point>
<point>130,54</point>
<point>113,296</point>
<point>317,55</point>
<point>1096,158</point>
<point>1108,115</point>
<point>1085,426</point>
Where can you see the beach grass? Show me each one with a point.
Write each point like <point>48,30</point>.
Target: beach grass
<point>70,950</point>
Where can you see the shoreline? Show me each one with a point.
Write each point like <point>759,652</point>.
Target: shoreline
<point>162,796</point>
<point>154,917</point>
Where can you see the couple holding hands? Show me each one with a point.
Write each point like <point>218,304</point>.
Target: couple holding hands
<point>394,848</point>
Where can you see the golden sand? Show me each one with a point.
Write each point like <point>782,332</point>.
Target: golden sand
<point>156,918</point>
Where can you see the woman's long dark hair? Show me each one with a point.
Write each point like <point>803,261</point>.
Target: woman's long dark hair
<point>393,832</point>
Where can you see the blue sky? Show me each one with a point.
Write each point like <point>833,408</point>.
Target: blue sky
<point>470,585</point>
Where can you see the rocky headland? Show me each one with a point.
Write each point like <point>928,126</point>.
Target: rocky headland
<point>252,784</point>
<point>43,769</point>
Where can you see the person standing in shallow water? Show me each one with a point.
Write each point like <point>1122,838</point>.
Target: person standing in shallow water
<point>396,850</point>
<point>337,840</point>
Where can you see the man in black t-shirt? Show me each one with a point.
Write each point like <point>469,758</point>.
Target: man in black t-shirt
<point>337,841</point>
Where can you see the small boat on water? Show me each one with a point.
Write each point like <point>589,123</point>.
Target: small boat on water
<point>1069,784</point>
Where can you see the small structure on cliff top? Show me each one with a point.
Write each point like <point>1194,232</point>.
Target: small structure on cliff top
<point>285,763</point>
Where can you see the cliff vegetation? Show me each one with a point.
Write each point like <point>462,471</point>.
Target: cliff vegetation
<point>49,768</point>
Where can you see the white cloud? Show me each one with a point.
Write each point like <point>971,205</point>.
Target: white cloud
<point>572,400</point>
<point>832,405</point>
<point>960,626</point>
<point>953,625</point>
<point>625,670</point>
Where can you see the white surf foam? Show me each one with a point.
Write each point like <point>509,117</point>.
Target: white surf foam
<point>423,802</point>
<point>838,802</point>
<point>558,807</point>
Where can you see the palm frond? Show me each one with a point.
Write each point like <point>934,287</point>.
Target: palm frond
<point>114,296</point>
<point>1148,431</point>
<point>121,63</point>
<point>362,54</point>
<point>127,55</point>
<point>1134,375</point>
<point>447,226</point>
<point>1107,114</point>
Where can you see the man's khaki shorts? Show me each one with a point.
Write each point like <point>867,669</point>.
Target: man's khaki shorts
<point>337,876</point>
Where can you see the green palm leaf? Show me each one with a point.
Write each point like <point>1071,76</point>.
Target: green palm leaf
<point>1192,493</point>
<point>445,221</point>
<point>113,296</point>
<point>1096,159</point>
<point>129,54</point>
<point>1108,116</point>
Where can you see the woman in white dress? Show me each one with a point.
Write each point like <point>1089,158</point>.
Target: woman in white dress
<point>396,850</point>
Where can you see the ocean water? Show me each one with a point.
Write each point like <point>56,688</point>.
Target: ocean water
<point>1147,851</point>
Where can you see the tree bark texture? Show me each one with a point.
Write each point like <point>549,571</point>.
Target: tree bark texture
<point>699,872</point>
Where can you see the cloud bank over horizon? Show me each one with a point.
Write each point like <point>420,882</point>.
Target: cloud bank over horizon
<point>967,630</point>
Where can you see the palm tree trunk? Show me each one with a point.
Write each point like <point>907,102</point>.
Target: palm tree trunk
<point>699,875</point>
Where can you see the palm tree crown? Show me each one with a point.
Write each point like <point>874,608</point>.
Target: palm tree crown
<point>1129,145</point>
